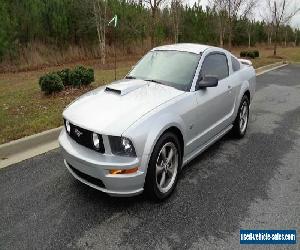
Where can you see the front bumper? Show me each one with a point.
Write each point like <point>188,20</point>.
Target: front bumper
<point>92,168</point>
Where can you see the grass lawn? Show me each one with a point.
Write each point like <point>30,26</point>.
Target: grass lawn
<point>24,110</point>
<point>290,54</point>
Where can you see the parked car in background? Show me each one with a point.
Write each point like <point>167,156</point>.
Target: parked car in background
<point>136,134</point>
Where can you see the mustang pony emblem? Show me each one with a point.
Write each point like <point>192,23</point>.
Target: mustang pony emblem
<point>77,132</point>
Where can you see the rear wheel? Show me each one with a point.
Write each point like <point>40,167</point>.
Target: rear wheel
<point>163,168</point>
<point>241,122</point>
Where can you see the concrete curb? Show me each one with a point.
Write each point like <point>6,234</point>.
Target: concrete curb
<point>30,146</point>
<point>270,67</point>
<point>28,142</point>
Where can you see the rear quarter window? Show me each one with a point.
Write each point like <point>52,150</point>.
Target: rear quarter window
<point>235,64</point>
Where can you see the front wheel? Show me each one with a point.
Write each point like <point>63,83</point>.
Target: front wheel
<point>241,122</point>
<point>163,168</point>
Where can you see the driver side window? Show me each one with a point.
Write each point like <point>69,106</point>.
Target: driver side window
<point>215,65</point>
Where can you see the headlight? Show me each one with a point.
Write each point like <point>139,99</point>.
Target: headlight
<point>96,141</point>
<point>68,126</point>
<point>121,146</point>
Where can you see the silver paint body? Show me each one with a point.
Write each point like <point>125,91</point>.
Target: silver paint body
<point>143,112</point>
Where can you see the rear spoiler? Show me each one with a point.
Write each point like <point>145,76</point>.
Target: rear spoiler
<point>245,62</point>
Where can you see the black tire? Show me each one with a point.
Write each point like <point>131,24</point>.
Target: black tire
<point>237,130</point>
<point>151,186</point>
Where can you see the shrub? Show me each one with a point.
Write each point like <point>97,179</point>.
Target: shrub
<point>51,83</point>
<point>88,76</point>
<point>243,53</point>
<point>81,76</point>
<point>65,76</point>
<point>251,54</point>
<point>75,77</point>
<point>55,81</point>
<point>41,79</point>
<point>256,53</point>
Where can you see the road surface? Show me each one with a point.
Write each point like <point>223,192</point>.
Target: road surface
<point>253,183</point>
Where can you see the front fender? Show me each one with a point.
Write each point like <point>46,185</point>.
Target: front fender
<point>147,131</point>
<point>166,121</point>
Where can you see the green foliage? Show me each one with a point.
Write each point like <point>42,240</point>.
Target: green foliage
<point>81,76</point>
<point>256,53</point>
<point>51,83</point>
<point>65,76</point>
<point>243,53</point>
<point>41,79</point>
<point>133,21</point>
<point>7,26</point>
<point>88,76</point>
<point>250,54</point>
<point>56,81</point>
<point>199,26</point>
<point>75,78</point>
<point>63,23</point>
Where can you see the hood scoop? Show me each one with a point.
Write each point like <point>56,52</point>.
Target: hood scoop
<point>108,89</point>
<point>124,87</point>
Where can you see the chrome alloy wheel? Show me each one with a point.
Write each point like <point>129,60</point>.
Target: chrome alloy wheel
<point>166,167</point>
<point>244,117</point>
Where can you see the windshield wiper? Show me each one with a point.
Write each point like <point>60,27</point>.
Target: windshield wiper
<point>130,77</point>
<point>155,81</point>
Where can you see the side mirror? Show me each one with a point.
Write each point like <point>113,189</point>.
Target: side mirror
<point>206,82</point>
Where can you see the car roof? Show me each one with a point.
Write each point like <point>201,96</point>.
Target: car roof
<point>188,47</point>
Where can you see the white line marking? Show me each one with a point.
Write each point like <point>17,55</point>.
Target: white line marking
<point>267,70</point>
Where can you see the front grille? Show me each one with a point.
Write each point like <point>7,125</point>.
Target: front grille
<point>84,137</point>
<point>88,178</point>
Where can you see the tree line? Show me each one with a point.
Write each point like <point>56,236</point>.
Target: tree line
<point>143,23</point>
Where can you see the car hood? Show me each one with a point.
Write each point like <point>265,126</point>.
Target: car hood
<point>112,109</point>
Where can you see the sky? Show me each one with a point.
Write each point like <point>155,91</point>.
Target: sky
<point>295,22</point>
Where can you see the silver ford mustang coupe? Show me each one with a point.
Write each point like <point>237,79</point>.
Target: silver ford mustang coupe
<point>136,134</point>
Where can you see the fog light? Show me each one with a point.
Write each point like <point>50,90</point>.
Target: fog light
<point>68,126</point>
<point>96,141</point>
<point>123,171</point>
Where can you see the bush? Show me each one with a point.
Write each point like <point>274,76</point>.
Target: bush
<point>243,53</point>
<point>75,78</point>
<point>256,53</point>
<point>51,83</point>
<point>250,54</point>
<point>81,76</point>
<point>65,76</point>
<point>41,79</point>
<point>55,81</point>
<point>88,76</point>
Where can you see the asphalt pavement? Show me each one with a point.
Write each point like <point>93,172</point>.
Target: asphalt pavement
<point>253,183</point>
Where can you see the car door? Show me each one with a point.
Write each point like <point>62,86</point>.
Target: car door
<point>214,103</point>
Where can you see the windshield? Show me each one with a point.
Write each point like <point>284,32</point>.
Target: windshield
<point>172,68</point>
